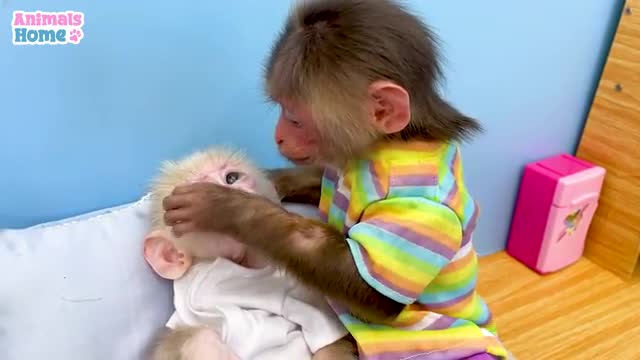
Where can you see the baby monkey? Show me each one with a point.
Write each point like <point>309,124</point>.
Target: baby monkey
<point>230,301</point>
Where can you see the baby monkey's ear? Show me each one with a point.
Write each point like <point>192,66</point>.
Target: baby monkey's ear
<point>164,257</point>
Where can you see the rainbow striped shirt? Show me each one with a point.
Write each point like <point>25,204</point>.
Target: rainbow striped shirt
<point>408,220</point>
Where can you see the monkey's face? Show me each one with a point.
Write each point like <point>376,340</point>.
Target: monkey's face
<point>296,134</point>
<point>323,137</point>
<point>332,133</point>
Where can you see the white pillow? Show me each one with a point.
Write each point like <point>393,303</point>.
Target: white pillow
<point>80,288</point>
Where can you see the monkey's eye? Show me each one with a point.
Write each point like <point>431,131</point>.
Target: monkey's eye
<point>295,123</point>
<point>232,177</point>
<point>290,118</point>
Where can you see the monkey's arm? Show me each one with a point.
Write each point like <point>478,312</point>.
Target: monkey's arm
<point>388,258</point>
<point>386,261</point>
<point>299,185</point>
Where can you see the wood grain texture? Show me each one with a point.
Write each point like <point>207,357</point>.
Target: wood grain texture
<point>581,313</point>
<point>611,139</point>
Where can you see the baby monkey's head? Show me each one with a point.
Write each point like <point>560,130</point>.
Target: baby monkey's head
<point>219,165</point>
<point>171,256</point>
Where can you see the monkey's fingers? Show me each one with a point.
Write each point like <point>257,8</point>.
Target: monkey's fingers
<point>190,188</point>
<point>172,202</point>
<point>176,216</point>
<point>183,228</point>
<point>185,188</point>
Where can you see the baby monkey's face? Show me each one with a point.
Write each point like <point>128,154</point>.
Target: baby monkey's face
<point>227,175</point>
<point>233,174</point>
<point>236,174</point>
<point>171,256</point>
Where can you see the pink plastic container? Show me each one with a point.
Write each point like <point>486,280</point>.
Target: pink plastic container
<point>556,202</point>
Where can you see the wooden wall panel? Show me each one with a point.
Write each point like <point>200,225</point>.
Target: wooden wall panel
<point>611,139</point>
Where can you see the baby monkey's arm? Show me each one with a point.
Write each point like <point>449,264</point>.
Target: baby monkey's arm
<point>191,343</point>
<point>202,343</point>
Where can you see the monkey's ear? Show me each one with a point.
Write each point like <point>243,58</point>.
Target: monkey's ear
<point>390,108</point>
<point>163,256</point>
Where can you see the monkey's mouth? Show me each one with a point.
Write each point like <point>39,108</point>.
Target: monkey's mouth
<point>300,161</point>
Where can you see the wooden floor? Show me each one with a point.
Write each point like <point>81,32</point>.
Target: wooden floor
<point>582,312</point>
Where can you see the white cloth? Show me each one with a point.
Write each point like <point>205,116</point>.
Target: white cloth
<point>262,314</point>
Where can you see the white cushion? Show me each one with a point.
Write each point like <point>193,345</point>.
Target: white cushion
<point>80,288</point>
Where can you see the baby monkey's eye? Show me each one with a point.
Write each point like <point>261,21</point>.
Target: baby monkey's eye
<point>232,177</point>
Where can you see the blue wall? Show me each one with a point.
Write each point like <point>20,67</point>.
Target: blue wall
<point>85,126</point>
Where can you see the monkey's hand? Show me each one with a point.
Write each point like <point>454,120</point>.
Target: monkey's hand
<point>209,207</point>
<point>300,184</point>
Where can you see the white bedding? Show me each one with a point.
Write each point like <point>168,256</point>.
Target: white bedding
<point>80,288</point>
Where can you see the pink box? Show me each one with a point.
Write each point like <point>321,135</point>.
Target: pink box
<point>556,202</point>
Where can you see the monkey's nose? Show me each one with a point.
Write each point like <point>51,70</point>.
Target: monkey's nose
<point>279,141</point>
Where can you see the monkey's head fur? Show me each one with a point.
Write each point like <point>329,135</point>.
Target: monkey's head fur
<point>349,74</point>
<point>171,256</point>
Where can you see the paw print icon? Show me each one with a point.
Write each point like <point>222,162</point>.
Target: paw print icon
<point>75,35</point>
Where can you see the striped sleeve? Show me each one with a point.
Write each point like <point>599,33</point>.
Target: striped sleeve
<point>401,244</point>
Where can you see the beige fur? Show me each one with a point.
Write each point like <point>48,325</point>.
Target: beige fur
<point>191,343</point>
<point>198,343</point>
<point>202,343</point>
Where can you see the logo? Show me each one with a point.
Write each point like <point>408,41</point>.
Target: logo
<point>47,28</point>
<point>572,221</point>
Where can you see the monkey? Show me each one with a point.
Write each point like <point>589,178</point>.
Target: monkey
<point>357,85</point>
<point>215,278</point>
